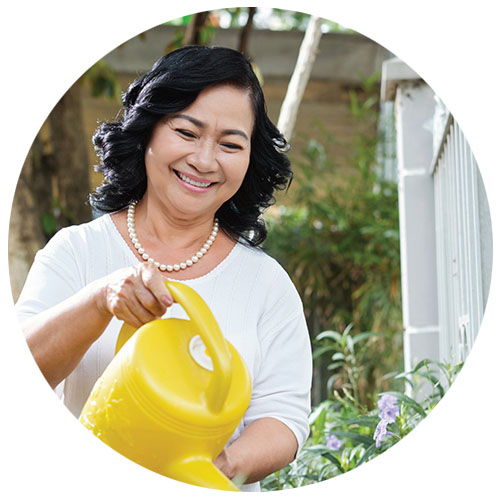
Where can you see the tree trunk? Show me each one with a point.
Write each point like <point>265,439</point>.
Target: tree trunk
<point>245,32</point>
<point>192,35</point>
<point>53,187</point>
<point>300,77</point>
<point>25,231</point>
<point>71,164</point>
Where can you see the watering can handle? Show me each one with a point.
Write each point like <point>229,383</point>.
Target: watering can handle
<point>212,337</point>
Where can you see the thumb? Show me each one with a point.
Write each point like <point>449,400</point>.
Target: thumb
<point>155,282</point>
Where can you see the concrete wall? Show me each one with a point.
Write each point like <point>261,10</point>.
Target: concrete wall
<point>341,56</point>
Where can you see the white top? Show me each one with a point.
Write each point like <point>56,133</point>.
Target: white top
<point>250,295</point>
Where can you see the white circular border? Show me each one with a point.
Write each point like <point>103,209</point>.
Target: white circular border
<point>46,46</point>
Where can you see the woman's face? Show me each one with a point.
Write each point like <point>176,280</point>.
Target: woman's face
<point>196,159</point>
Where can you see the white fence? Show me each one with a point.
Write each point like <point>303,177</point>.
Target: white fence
<point>461,245</point>
<point>446,241</point>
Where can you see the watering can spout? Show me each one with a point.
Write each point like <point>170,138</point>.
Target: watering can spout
<point>200,471</point>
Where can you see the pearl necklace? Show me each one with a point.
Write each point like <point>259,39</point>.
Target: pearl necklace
<point>167,267</point>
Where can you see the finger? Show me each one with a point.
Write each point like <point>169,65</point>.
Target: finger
<point>133,313</point>
<point>128,317</point>
<point>155,282</point>
<point>146,298</point>
<point>140,312</point>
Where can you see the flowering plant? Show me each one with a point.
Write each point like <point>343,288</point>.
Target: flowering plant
<point>389,410</point>
<point>344,435</point>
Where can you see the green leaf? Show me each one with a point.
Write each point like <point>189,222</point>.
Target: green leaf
<point>49,224</point>
<point>335,461</point>
<point>406,377</point>
<point>330,334</point>
<point>366,455</point>
<point>366,336</point>
<point>423,363</point>
<point>456,369</point>
<point>331,382</point>
<point>362,421</point>
<point>354,103</point>
<point>319,424</point>
<point>325,472</point>
<point>370,102</point>
<point>355,437</point>
<point>411,403</point>
<point>349,343</point>
<point>321,408</point>
<point>334,366</point>
<point>434,381</point>
<point>338,356</point>
<point>348,329</point>
<point>312,477</point>
<point>321,350</point>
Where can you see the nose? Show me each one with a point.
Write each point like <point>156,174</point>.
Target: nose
<point>203,157</point>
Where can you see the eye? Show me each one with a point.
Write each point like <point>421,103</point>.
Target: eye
<point>231,145</point>
<point>186,133</point>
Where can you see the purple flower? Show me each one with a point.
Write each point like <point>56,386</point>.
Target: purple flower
<point>381,432</point>
<point>387,400</point>
<point>389,410</point>
<point>332,442</point>
<point>388,406</point>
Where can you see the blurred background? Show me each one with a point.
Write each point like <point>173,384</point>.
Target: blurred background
<point>393,273</point>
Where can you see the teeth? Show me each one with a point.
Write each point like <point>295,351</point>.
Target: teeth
<point>192,182</point>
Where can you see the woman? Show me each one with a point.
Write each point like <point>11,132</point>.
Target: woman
<point>194,151</point>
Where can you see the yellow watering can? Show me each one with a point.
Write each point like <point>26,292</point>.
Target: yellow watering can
<point>173,394</point>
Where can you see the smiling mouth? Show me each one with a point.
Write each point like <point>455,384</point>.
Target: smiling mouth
<point>192,182</point>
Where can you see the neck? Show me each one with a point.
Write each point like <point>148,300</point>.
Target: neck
<point>181,265</point>
<point>159,224</point>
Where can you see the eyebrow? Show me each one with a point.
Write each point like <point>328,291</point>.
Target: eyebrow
<point>198,123</point>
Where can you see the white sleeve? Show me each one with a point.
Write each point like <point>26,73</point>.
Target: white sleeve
<point>282,385</point>
<point>53,277</point>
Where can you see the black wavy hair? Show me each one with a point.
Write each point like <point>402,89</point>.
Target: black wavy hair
<point>172,85</point>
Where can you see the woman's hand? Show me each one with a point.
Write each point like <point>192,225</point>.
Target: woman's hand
<point>60,336</point>
<point>263,447</point>
<point>135,294</point>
